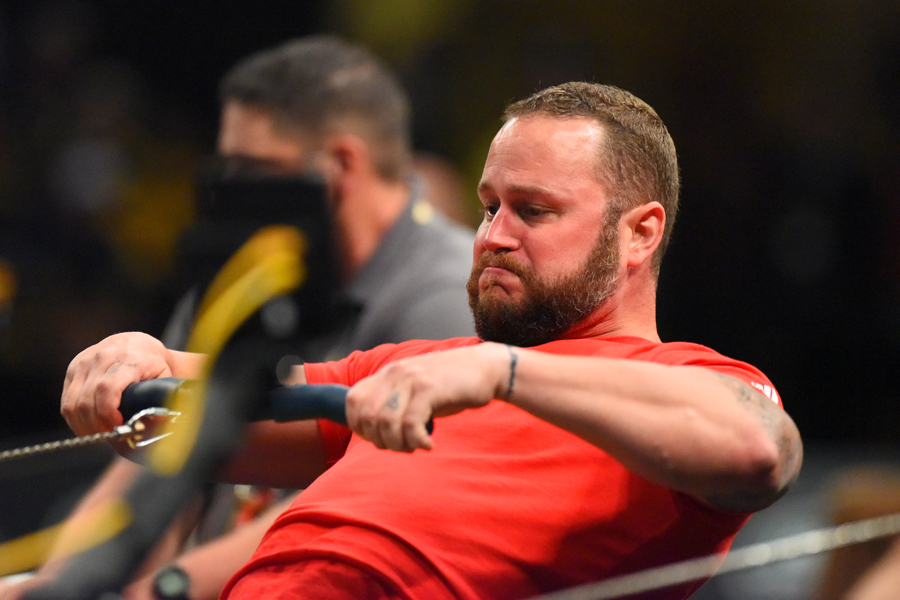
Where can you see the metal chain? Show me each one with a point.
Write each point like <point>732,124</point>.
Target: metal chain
<point>754,555</point>
<point>133,432</point>
<point>55,445</point>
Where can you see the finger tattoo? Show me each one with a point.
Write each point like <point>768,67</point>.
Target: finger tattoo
<point>120,363</point>
<point>393,401</point>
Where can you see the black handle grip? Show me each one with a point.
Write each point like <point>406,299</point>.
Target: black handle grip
<point>286,403</point>
<point>147,394</point>
<point>313,401</point>
<point>296,402</point>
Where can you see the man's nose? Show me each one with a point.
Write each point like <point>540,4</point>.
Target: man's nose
<point>501,233</point>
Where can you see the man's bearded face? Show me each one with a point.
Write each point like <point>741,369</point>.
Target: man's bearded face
<point>547,309</point>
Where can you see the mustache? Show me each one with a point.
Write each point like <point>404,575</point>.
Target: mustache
<point>501,260</point>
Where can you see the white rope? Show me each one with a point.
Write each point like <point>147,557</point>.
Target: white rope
<point>747,557</point>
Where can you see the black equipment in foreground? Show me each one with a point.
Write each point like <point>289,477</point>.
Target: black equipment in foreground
<point>277,260</point>
<point>230,209</point>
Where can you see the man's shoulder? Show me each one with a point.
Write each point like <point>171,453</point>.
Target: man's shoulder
<point>637,348</point>
<point>362,363</point>
<point>688,354</point>
<point>667,353</point>
<point>418,347</point>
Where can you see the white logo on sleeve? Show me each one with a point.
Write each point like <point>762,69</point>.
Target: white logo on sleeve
<point>769,392</point>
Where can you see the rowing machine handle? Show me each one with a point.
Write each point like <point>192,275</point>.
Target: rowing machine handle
<point>286,403</point>
<point>313,401</point>
<point>290,403</point>
<point>151,393</point>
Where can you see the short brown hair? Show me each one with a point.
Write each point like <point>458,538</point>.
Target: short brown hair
<point>322,84</point>
<point>637,159</point>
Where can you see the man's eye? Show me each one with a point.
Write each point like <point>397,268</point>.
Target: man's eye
<point>490,210</point>
<point>532,211</point>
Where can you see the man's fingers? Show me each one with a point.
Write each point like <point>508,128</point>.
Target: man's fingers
<point>391,422</point>
<point>92,406</point>
<point>361,417</point>
<point>96,377</point>
<point>90,400</point>
<point>415,426</point>
<point>108,395</point>
<point>387,421</point>
<point>403,423</point>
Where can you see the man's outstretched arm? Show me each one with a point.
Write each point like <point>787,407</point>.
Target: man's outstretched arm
<point>689,428</point>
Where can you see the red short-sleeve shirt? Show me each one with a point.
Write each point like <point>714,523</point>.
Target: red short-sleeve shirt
<point>504,506</point>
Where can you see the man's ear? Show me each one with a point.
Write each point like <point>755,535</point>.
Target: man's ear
<point>644,226</point>
<point>346,158</point>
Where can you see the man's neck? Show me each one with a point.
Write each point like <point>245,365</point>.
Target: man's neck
<point>630,312</point>
<point>364,219</point>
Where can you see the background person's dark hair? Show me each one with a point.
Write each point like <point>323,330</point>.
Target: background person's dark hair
<point>637,159</point>
<point>322,85</point>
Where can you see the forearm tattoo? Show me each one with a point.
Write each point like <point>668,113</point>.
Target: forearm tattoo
<point>513,360</point>
<point>771,420</point>
<point>754,401</point>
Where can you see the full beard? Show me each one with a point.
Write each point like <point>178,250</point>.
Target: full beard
<point>548,309</point>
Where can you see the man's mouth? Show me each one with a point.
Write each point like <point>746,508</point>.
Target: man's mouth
<point>496,271</point>
<point>493,277</point>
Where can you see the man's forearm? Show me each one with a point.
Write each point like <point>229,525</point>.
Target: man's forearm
<point>111,485</point>
<point>186,365</point>
<point>278,455</point>
<point>210,566</point>
<point>689,428</point>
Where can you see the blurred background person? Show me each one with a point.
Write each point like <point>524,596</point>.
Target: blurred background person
<point>324,106</point>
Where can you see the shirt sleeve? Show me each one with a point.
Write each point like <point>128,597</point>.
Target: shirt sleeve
<point>694,355</point>
<point>335,437</point>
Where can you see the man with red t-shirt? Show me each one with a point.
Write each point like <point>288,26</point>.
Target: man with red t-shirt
<point>570,443</point>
